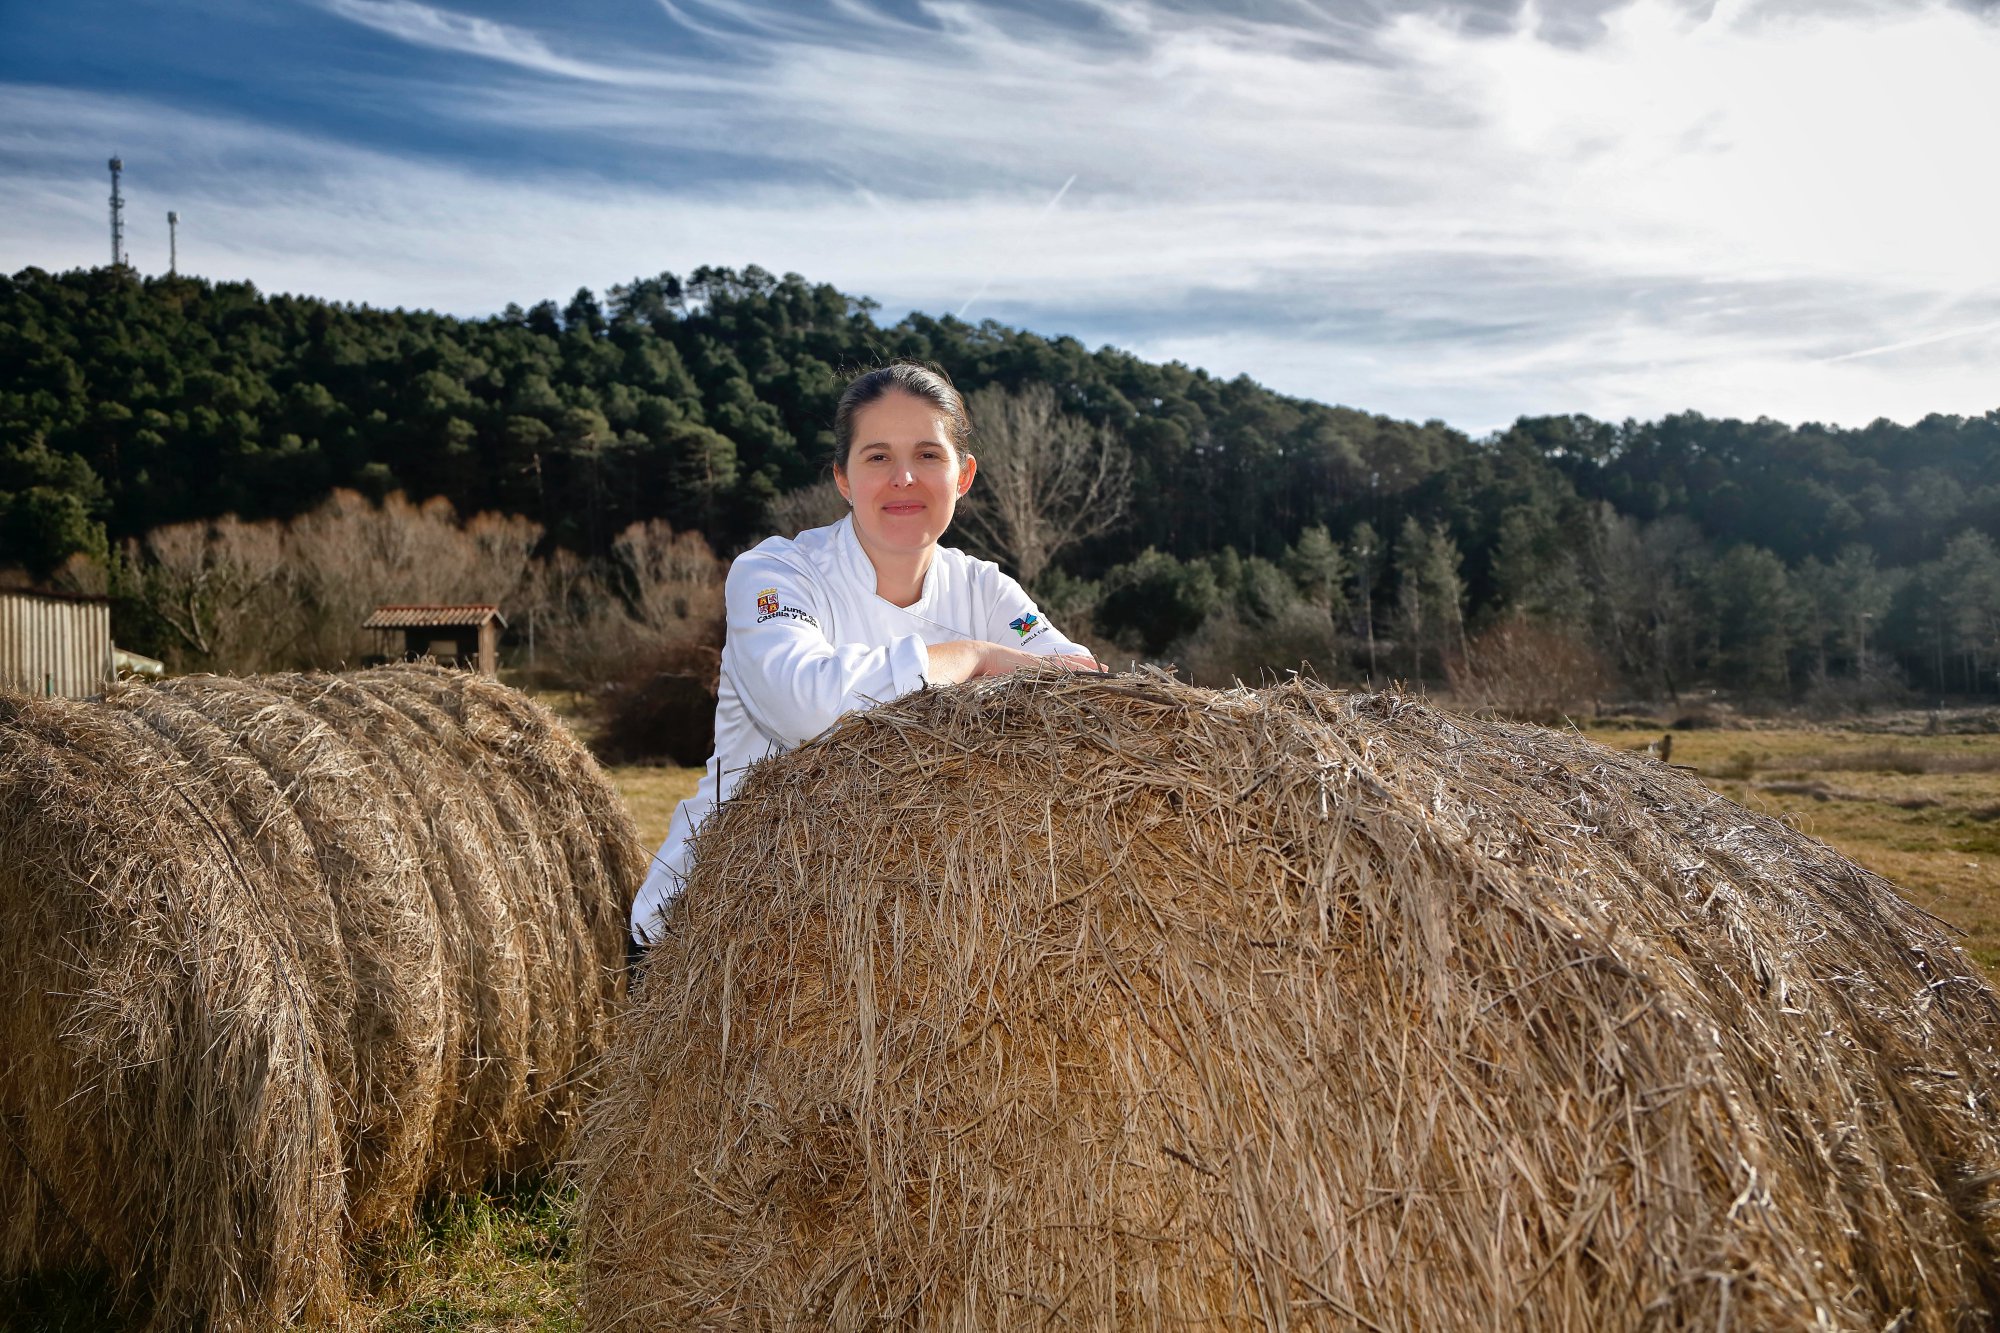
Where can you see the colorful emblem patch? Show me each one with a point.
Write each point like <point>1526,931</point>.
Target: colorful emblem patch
<point>770,608</point>
<point>1025,625</point>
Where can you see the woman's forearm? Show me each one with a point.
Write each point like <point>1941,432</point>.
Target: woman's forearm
<point>955,661</point>
<point>962,659</point>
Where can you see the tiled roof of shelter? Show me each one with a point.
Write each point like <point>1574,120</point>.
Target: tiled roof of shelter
<point>420,617</point>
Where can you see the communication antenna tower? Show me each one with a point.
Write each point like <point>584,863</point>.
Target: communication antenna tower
<point>117,216</point>
<point>173,243</point>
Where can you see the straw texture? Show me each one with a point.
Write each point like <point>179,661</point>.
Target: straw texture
<point>1112,1003</point>
<point>280,955</point>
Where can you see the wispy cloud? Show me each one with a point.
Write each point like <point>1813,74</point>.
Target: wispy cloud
<point>464,34</point>
<point>1928,340</point>
<point>1639,210</point>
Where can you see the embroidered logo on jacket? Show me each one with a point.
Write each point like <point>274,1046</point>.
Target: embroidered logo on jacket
<point>1025,625</point>
<point>770,608</point>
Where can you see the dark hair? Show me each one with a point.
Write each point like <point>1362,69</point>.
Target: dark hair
<point>928,383</point>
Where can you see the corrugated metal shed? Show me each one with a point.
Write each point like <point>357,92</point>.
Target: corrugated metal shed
<point>54,643</point>
<point>419,617</point>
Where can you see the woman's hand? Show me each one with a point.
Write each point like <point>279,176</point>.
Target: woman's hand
<point>1000,660</point>
<point>963,659</point>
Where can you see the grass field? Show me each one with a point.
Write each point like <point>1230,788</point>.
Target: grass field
<point>651,794</point>
<point>1922,810</point>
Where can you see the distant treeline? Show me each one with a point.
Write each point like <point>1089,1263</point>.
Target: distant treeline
<point>1753,556</point>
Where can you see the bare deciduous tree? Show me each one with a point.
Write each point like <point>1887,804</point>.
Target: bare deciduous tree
<point>498,552</point>
<point>1047,480</point>
<point>575,617</point>
<point>241,596</point>
<point>349,556</point>
<point>1537,671</point>
<point>674,585</point>
<point>222,589</point>
<point>658,598</point>
<point>82,573</point>
<point>811,506</point>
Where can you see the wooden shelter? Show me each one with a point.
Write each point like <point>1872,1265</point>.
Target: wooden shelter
<point>55,643</point>
<point>460,636</point>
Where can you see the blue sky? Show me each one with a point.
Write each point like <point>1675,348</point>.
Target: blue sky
<point>1469,211</point>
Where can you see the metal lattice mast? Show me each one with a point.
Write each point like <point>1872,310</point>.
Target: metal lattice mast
<point>117,216</point>
<point>173,243</point>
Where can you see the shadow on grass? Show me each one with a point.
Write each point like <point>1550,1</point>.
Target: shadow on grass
<point>67,1302</point>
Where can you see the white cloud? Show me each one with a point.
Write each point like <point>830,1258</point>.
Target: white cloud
<point>1788,143</point>
<point>1752,212</point>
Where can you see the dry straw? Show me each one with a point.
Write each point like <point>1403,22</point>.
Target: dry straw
<point>1114,1003</point>
<point>280,955</point>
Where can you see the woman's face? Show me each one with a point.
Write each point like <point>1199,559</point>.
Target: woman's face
<point>902,475</point>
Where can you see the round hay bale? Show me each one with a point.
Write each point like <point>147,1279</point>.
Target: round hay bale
<point>1112,1003</point>
<point>551,804</point>
<point>280,956</point>
<point>159,1040</point>
<point>375,946</point>
<point>463,875</point>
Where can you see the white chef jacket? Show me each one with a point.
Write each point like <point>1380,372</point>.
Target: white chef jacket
<point>809,639</point>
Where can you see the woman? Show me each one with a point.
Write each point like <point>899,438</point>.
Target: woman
<point>862,611</point>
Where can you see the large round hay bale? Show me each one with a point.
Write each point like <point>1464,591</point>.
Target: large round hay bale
<point>1113,1003</point>
<point>280,955</point>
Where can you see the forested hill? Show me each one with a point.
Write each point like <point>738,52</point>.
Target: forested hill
<point>696,400</point>
<point>127,404</point>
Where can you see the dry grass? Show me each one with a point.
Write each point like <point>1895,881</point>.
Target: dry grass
<point>1961,755</point>
<point>1923,812</point>
<point>651,793</point>
<point>1115,1004</point>
<point>283,955</point>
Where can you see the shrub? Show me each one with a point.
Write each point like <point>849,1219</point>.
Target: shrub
<point>1524,669</point>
